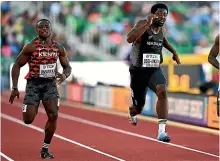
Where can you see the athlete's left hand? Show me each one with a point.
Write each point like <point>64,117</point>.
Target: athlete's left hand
<point>14,93</point>
<point>60,77</point>
<point>176,58</point>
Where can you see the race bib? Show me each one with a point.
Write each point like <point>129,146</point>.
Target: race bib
<point>47,70</point>
<point>151,60</point>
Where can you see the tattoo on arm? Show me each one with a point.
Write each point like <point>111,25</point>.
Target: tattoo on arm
<point>67,70</point>
<point>65,63</point>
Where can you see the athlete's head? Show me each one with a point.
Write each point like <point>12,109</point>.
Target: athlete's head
<point>43,28</point>
<point>160,11</point>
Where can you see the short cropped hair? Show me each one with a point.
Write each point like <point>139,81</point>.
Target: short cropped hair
<point>158,5</point>
<point>43,20</point>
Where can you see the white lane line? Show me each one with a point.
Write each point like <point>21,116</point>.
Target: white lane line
<point>58,136</point>
<point>81,106</point>
<point>84,121</point>
<point>77,119</point>
<point>6,157</point>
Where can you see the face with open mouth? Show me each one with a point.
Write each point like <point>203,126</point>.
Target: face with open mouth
<point>44,29</point>
<point>160,17</point>
<point>44,33</point>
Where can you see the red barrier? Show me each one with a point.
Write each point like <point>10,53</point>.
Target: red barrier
<point>74,92</point>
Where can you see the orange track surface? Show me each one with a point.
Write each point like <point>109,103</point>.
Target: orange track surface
<point>22,143</point>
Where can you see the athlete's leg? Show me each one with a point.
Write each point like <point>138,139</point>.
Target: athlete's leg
<point>29,112</point>
<point>218,101</point>
<point>162,102</point>
<point>31,102</point>
<point>51,108</point>
<point>158,84</point>
<point>138,96</point>
<point>138,87</point>
<point>51,105</point>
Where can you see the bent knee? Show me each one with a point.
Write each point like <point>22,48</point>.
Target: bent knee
<point>161,91</point>
<point>53,116</point>
<point>28,121</point>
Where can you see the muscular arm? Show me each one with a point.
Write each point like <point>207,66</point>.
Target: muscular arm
<point>166,43</point>
<point>21,60</point>
<point>139,28</point>
<point>64,61</point>
<point>214,53</point>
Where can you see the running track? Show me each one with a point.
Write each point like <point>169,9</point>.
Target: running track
<point>89,135</point>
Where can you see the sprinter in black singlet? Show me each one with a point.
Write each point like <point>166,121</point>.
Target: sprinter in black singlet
<point>214,52</point>
<point>148,39</point>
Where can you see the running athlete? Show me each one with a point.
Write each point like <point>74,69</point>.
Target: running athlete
<point>214,52</point>
<point>148,39</point>
<point>41,54</point>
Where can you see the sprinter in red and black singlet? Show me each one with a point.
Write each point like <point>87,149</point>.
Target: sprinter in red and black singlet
<point>41,54</point>
<point>148,39</point>
<point>42,62</point>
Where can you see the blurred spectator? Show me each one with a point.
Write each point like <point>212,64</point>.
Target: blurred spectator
<point>192,26</point>
<point>196,36</point>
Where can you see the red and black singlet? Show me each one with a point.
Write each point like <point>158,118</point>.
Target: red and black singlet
<point>42,62</point>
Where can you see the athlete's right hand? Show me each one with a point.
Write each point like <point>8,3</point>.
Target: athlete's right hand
<point>14,93</point>
<point>151,17</point>
<point>60,77</point>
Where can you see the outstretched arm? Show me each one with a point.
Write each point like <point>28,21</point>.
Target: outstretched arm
<point>214,53</point>
<point>166,43</point>
<point>20,61</point>
<point>169,47</point>
<point>64,61</point>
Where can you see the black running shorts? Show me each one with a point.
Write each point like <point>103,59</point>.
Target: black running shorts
<point>40,89</point>
<point>141,80</point>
